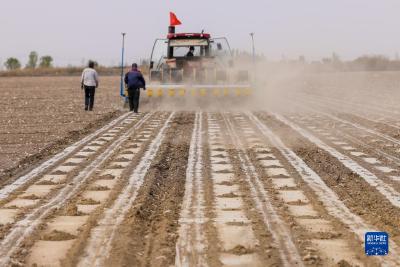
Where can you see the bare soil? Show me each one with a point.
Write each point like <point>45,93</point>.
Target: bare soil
<point>42,115</point>
<point>206,187</point>
<point>148,235</point>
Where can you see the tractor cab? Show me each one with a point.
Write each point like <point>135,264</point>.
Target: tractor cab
<point>195,63</point>
<point>180,44</point>
<point>189,57</point>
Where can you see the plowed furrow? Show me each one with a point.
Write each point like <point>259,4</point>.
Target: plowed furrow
<point>68,187</point>
<point>331,202</point>
<point>55,160</point>
<point>378,156</point>
<point>99,243</point>
<point>281,234</point>
<point>385,189</point>
<point>148,233</point>
<point>191,244</point>
<point>359,197</point>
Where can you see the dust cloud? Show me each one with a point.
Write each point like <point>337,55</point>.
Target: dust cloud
<point>291,86</point>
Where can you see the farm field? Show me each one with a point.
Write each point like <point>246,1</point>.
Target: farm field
<point>40,115</point>
<point>296,180</point>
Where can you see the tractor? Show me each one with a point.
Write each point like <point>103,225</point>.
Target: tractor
<point>196,63</point>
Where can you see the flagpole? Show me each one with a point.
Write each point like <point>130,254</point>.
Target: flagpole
<point>254,57</point>
<point>122,66</point>
<point>254,50</point>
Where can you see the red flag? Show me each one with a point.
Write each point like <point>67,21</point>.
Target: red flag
<point>173,19</point>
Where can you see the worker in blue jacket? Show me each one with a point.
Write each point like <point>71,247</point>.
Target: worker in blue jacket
<point>134,81</point>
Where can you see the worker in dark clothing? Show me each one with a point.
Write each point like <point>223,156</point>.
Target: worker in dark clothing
<point>134,81</point>
<point>191,52</point>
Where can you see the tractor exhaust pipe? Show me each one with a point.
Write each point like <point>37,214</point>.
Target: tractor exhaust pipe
<point>170,53</point>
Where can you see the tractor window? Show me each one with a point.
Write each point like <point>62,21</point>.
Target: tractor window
<point>159,52</point>
<point>220,47</point>
<point>181,47</point>
<point>182,51</point>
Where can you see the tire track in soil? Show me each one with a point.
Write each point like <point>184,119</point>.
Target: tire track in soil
<point>148,235</point>
<point>356,194</point>
<point>19,233</point>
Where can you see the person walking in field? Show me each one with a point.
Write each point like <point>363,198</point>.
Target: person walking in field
<point>134,81</point>
<point>89,83</point>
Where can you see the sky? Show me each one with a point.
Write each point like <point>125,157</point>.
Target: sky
<point>73,31</point>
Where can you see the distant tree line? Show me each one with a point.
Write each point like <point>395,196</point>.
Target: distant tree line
<point>34,62</point>
<point>247,56</point>
<point>377,62</point>
<point>335,63</point>
<point>362,63</point>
